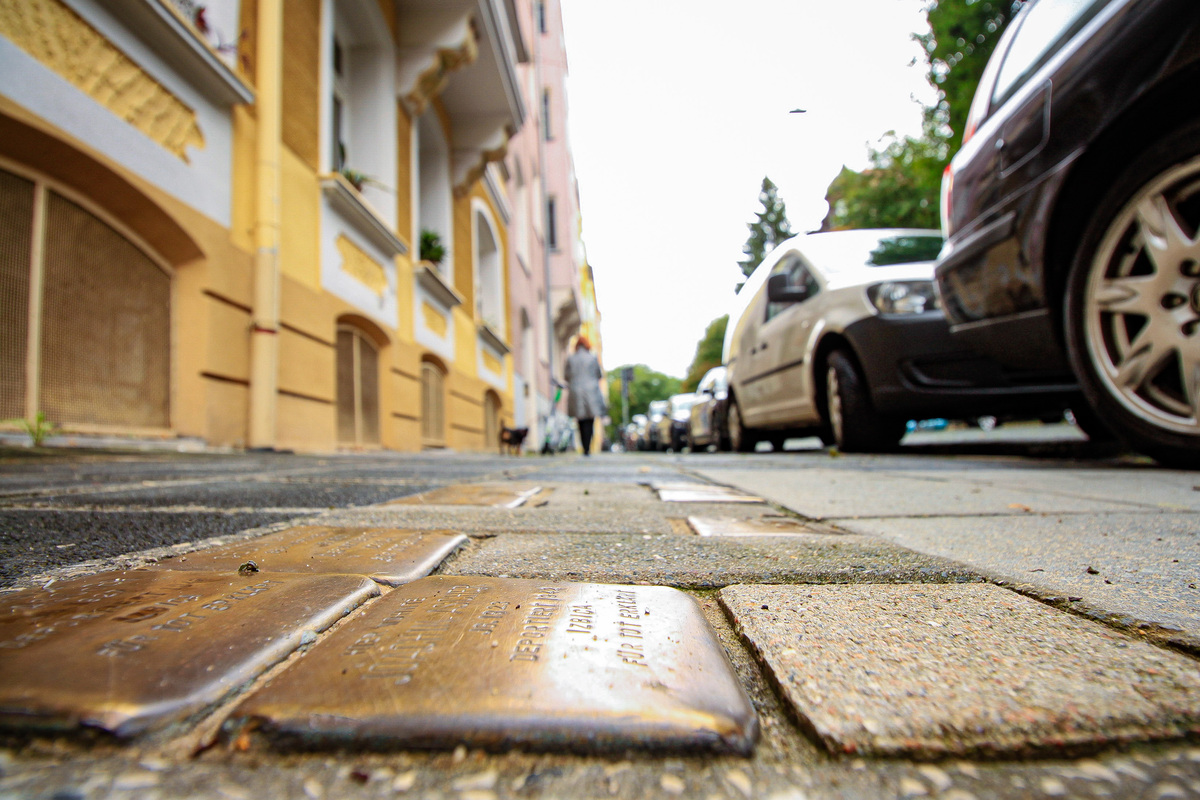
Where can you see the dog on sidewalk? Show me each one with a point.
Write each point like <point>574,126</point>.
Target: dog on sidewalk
<point>511,440</point>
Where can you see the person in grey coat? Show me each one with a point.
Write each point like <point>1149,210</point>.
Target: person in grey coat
<point>585,401</point>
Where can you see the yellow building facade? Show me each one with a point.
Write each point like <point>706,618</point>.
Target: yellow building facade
<point>212,215</point>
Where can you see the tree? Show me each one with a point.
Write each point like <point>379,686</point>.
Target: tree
<point>647,385</point>
<point>708,353</point>
<point>902,185</point>
<point>768,230</point>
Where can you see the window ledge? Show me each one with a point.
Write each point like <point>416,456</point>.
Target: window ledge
<point>493,339</point>
<point>431,280</point>
<point>164,30</point>
<point>346,199</point>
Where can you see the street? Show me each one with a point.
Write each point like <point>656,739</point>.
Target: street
<point>1011,614</point>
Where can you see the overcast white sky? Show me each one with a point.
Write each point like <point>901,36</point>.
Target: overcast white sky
<point>678,108</point>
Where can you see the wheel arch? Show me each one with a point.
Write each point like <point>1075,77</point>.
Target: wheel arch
<point>1169,106</point>
<point>820,365</point>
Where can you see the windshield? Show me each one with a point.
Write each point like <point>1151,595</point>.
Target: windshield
<point>871,248</point>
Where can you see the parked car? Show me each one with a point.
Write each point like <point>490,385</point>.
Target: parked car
<point>707,424</point>
<point>673,425</point>
<point>839,335</point>
<point>654,416</point>
<point>635,433</point>
<point>1072,213</point>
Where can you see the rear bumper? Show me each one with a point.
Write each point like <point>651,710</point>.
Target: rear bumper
<point>915,369</point>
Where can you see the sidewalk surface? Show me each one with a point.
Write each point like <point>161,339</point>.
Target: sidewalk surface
<point>477,627</point>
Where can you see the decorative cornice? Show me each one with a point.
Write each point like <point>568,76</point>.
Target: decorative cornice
<point>476,170</point>
<point>434,78</point>
<point>493,340</point>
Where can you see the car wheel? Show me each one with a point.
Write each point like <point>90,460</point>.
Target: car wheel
<point>741,439</point>
<point>852,421</point>
<point>1133,304</point>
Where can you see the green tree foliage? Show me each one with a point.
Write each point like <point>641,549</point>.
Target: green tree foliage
<point>708,353</point>
<point>647,385</point>
<point>902,184</point>
<point>769,229</point>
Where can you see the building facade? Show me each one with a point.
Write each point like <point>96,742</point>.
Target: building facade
<point>261,223</point>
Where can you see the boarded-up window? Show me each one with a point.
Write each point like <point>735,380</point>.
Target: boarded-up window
<point>433,405</point>
<point>357,388</point>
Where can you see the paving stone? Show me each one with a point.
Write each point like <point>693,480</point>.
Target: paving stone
<point>934,671</point>
<point>753,526</point>
<point>703,562</point>
<point>502,495</point>
<point>485,662</point>
<point>125,652</point>
<point>385,555</point>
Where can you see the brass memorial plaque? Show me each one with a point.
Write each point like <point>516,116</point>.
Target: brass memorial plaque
<point>701,493</point>
<point>497,663</point>
<point>758,526</point>
<point>128,651</point>
<point>498,495</point>
<point>385,555</point>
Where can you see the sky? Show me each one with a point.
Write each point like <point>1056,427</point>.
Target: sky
<point>677,109</point>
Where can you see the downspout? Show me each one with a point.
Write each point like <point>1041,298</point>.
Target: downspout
<point>264,328</point>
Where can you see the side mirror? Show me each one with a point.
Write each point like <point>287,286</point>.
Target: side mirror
<point>780,291</point>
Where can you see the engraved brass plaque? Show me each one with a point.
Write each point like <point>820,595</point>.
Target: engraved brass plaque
<point>700,493</point>
<point>385,555</point>
<point>497,663</point>
<point>499,495</point>
<point>758,526</point>
<point>129,651</point>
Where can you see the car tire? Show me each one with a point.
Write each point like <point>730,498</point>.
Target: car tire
<point>1133,303</point>
<point>851,420</point>
<point>741,438</point>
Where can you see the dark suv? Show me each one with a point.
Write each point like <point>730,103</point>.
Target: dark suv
<point>1073,209</point>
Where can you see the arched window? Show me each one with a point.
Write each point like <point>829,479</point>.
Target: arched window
<point>489,280</point>
<point>357,388</point>
<point>96,348</point>
<point>433,406</point>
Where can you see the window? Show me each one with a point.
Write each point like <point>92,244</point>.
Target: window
<point>799,276</point>
<point>547,132</point>
<point>551,224</point>
<point>101,353</point>
<point>489,283</point>
<point>1045,27</point>
<point>338,122</point>
<point>357,388</point>
<point>541,16</point>
<point>433,414</point>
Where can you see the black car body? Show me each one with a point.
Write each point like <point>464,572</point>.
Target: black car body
<point>1071,213</point>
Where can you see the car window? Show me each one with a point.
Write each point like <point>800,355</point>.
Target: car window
<point>850,249</point>
<point>1044,28</point>
<point>799,276</point>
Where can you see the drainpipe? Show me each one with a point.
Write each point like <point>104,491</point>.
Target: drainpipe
<point>264,328</point>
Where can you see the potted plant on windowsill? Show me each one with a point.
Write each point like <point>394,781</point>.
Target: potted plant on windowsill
<point>357,179</point>
<point>431,248</point>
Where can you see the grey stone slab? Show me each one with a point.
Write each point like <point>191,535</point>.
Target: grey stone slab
<point>837,493</point>
<point>1145,566</point>
<point>130,651</point>
<point>693,561</point>
<point>493,663</point>
<point>385,555</point>
<point>935,671</point>
<point>753,526</point>
<point>495,494</point>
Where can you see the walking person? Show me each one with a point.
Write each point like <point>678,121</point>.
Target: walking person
<point>585,401</point>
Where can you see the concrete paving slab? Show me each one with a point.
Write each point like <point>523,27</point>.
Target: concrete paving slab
<point>1144,566</point>
<point>130,651</point>
<point>936,671</point>
<point>385,555</point>
<point>827,493</point>
<point>245,493</point>
<point>494,663</point>
<point>692,561</point>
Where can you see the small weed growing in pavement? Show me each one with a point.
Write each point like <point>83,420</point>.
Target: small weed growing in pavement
<point>37,428</point>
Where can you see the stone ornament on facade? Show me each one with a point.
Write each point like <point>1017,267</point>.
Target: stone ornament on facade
<point>475,172</point>
<point>360,266</point>
<point>66,44</point>
<point>433,80</point>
